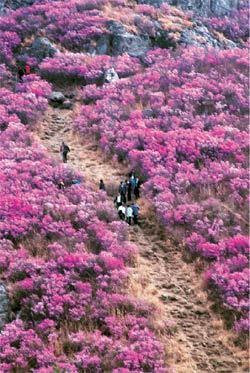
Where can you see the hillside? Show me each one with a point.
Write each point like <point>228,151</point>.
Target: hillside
<point>158,88</point>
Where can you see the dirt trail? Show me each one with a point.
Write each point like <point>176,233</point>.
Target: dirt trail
<point>200,344</point>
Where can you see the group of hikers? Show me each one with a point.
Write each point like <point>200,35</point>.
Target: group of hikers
<point>128,189</point>
<point>127,209</point>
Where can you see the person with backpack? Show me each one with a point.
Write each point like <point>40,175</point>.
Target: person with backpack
<point>118,201</point>
<point>64,150</point>
<point>122,212</point>
<point>135,209</point>
<point>102,185</point>
<point>129,214</point>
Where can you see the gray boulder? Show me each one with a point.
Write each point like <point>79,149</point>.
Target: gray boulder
<point>110,76</point>
<point>148,113</point>
<point>115,27</point>
<point>67,104</point>
<point>4,305</point>
<point>56,98</point>
<point>134,45</point>
<point>42,48</point>
<point>103,45</point>
<point>14,4</point>
<point>2,6</point>
<point>200,36</point>
<point>122,41</point>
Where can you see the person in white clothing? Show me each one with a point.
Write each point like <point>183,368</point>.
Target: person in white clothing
<point>129,214</point>
<point>122,212</point>
<point>118,201</point>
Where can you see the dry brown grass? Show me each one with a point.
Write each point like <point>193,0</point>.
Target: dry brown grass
<point>116,14</point>
<point>142,287</point>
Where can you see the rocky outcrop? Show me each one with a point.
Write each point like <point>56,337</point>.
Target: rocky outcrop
<point>200,36</point>
<point>14,4</point>
<point>121,41</point>
<point>134,45</point>
<point>4,305</point>
<point>40,48</point>
<point>110,76</point>
<point>200,7</point>
<point>56,98</point>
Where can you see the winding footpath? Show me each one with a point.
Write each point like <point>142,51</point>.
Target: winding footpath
<point>198,343</point>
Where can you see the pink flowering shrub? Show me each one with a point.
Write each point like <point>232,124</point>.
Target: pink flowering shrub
<point>5,74</point>
<point>229,278</point>
<point>86,69</point>
<point>8,42</point>
<point>29,100</point>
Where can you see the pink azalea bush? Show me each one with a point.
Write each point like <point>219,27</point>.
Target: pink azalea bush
<point>28,101</point>
<point>87,69</point>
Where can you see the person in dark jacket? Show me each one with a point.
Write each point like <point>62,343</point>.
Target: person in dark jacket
<point>129,189</point>
<point>20,73</point>
<point>102,185</point>
<point>137,188</point>
<point>64,150</point>
<point>132,181</point>
<point>135,209</point>
<point>123,191</point>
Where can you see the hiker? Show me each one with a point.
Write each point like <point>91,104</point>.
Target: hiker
<point>20,73</point>
<point>76,182</point>
<point>129,214</point>
<point>135,209</point>
<point>61,185</point>
<point>27,69</point>
<point>64,150</point>
<point>102,185</point>
<point>123,191</point>
<point>122,212</point>
<point>137,188</point>
<point>129,189</point>
<point>118,201</point>
<point>132,181</point>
